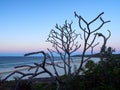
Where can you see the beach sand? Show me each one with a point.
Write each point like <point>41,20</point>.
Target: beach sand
<point>74,65</point>
<point>5,73</point>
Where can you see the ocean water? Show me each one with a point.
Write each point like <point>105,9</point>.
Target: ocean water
<point>7,64</point>
<point>11,62</point>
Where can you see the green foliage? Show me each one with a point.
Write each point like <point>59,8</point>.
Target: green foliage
<point>44,86</point>
<point>89,67</point>
<point>38,86</point>
<point>7,85</point>
<point>106,73</point>
<point>23,85</point>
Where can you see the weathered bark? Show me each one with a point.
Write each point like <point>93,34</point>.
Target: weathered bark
<point>88,33</point>
<point>64,41</point>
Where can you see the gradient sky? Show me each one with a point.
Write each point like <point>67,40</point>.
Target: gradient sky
<point>25,24</point>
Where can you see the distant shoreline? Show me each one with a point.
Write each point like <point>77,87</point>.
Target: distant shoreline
<point>95,55</point>
<point>25,69</point>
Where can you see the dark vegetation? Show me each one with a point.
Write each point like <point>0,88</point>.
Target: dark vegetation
<point>104,75</point>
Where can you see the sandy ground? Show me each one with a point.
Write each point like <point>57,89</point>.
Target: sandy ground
<point>74,64</point>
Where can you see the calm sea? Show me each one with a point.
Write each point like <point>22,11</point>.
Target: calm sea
<point>11,62</point>
<point>7,64</point>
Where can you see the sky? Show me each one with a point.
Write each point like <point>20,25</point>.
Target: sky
<point>26,24</point>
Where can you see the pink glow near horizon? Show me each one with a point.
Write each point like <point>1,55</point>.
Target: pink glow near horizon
<point>23,48</point>
<point>25,24</point>
<point>23,51</point>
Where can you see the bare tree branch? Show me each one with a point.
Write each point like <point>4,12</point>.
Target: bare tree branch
<point>88,33</point>
<point>65,43</point>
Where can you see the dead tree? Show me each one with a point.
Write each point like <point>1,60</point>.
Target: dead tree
<point>64,41</point>
<point>36,66</point>
<point>103,50</point>
<point>88,33</point>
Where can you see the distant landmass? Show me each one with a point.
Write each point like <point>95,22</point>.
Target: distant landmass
<point>96,55</point>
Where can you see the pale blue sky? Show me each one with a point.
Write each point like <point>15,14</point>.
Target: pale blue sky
<point>25,24</point>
